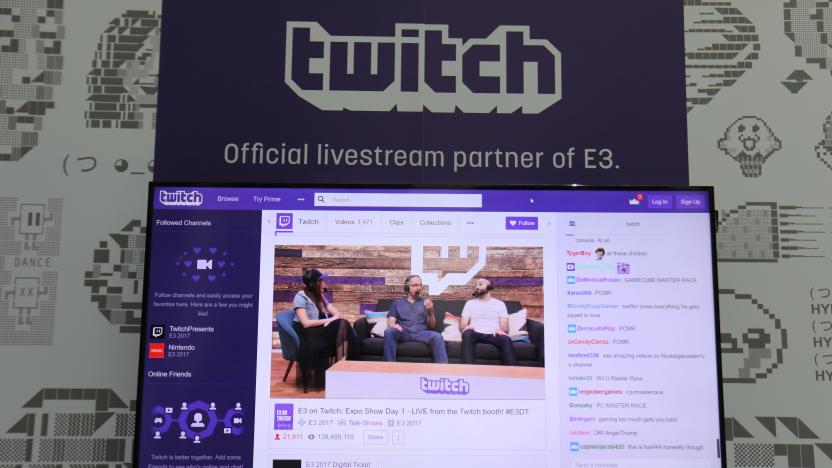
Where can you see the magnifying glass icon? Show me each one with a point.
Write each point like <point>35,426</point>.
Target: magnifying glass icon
<point>321,198</point>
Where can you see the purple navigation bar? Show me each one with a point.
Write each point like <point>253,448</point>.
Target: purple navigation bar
<point>287,200</point>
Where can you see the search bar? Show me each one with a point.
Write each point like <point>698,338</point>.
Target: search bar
<point>399,200</point>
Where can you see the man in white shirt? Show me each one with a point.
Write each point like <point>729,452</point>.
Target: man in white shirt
<point>485,320</point>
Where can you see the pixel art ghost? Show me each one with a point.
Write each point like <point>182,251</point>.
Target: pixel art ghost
<point>750,142</point>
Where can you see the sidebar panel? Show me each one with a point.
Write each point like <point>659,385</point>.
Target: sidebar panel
<point>200,349</point>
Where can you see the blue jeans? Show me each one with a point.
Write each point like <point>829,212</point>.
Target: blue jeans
<point>434,340</point>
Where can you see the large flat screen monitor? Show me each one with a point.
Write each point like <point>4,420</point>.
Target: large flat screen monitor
<point>403,327</point>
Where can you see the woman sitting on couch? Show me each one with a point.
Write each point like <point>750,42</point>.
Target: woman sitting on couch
<point>324,334</point>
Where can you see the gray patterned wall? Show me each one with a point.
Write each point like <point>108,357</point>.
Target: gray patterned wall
<point>760,95</point>
<point>78,83</point>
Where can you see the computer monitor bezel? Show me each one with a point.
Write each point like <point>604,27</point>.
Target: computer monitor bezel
<point>153,185</point>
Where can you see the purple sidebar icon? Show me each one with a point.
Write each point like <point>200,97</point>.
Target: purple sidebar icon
<point>284,417</point>
<point>283,222</point>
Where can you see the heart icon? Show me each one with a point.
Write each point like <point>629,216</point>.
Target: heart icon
<point>188,263</point>
<point>178,263</point>
<point>213,250</point>
<point>195,278</point>
<point>512,222</point>
<point>211,278</point>
<point>197,250</point>
<point>220,263</point>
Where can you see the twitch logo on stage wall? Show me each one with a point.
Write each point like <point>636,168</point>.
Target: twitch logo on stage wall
<point>531,91</point>
<point>435,72</point>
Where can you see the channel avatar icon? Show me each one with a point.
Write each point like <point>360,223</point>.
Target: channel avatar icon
<point>157,332</point>
<point>283,222</point>
<point>156,351</point>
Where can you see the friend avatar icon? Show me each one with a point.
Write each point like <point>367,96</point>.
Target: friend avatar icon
<point>238,407</point>
<point>184,406</point>
<point>182,435</point>
<point>198,421</point>
<point>157,435</point>
<point>196,440</point>
<point>212,407</point>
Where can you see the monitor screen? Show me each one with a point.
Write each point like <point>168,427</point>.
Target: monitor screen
<point>334,326</point>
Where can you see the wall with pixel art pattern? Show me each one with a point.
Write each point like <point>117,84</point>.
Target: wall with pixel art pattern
<point>759,131</point>
<point>78,86</point>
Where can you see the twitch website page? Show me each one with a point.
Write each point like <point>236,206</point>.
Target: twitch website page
<point>382,327</point>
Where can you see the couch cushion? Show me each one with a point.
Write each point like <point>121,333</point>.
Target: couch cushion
<point>524,351</point>
<point>481,351</point>
<point>375,346</point>
<point>378,323</point>
<point>517,325</point>
<point>451,332</point>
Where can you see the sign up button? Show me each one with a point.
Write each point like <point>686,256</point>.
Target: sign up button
<point>691,202</point>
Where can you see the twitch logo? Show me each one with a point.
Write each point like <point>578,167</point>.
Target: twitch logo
<point>422,67</point>
<point>180,198</point>
<point>444,386</point>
